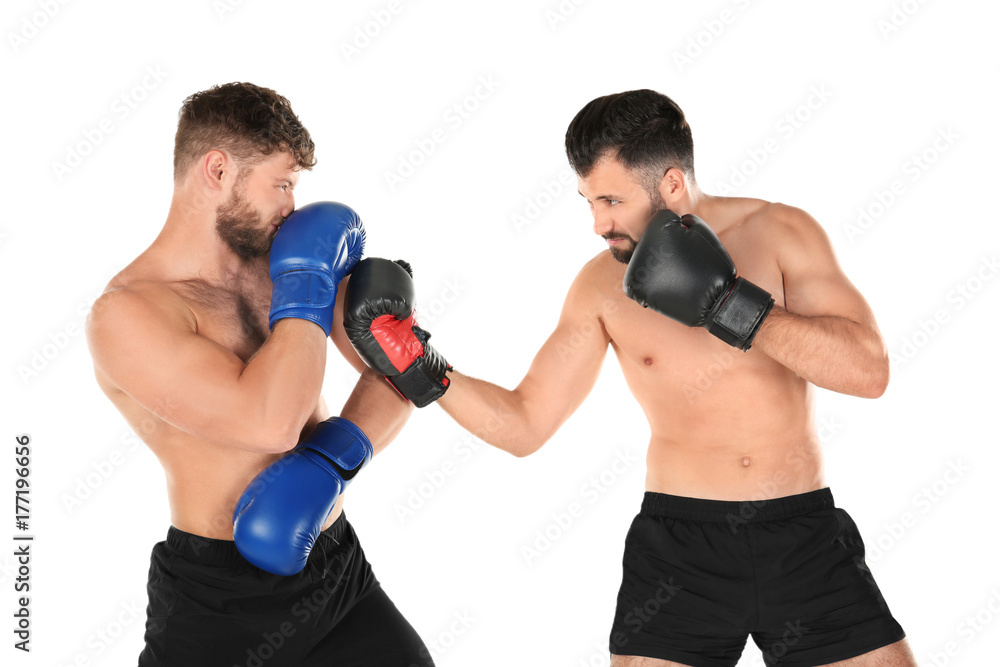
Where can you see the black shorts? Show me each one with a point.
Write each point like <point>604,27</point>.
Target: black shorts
<point>701,575</point>
<point>209,606</point>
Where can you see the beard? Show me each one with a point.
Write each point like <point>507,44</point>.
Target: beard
<point>624,255</point>
<point>241,228</point>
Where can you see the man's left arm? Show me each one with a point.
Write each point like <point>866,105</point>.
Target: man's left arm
<point>281,512</point>
<point>826,331</point>
<point>378,409</point>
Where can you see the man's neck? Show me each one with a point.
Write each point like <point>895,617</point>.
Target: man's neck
<point>712,209</point>
<point>191,243</point>
<point>695,201</point>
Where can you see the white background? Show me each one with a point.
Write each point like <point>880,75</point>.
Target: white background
<point>883,79</point>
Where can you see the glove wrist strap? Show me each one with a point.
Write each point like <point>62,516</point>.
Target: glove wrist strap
<point>740,315</point>
<point>338,446</point>
<point>307,295</point>
<point>424,381</point>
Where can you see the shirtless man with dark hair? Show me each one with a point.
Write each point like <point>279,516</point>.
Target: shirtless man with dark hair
<point>736,515</point>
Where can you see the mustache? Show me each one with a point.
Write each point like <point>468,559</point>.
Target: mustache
<point>616,235</point>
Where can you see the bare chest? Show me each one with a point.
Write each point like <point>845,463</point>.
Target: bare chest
<point>234,315</point>
<point>653,346</point>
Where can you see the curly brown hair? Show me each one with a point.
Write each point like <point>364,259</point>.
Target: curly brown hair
<point>247,121</point>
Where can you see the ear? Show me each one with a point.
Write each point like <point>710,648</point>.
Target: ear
<point>673,186</point>
<point>215,169</point>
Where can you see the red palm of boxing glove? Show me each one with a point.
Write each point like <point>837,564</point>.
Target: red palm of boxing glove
<point>381,324</point>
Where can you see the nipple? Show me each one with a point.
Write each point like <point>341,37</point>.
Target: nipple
<point>746,461</point>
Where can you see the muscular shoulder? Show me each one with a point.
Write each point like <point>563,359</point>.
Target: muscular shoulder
<point>784,222</point>
<point>127,307</point>
<point>801,245</point>
<point>795,234</point>
<point>597,288</point>
<point>599,275</point>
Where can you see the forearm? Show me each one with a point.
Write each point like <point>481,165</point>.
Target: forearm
<point>379,323</point>
<point>831,352</point>
<point>281,384</point>
<point>377,409</point>
<point>495,415</point>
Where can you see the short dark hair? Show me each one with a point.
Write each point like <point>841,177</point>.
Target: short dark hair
<point>644,130</point>
<point>247,121</point>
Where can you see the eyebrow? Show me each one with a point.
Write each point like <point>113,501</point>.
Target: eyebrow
<point>604,197</point>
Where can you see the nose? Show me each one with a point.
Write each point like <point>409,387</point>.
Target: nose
<point>289,206</point>
<point>602,224</point>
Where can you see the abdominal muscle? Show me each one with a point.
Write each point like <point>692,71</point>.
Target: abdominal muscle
<point>731,472</point>
<point>747,436</point>
<point>204,479</point>
<point>204,488</point>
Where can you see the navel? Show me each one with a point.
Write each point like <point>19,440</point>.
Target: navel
<point>746,461</point>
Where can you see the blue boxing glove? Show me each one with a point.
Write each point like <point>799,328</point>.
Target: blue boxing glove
<point>313,250</point>
<point>282,511</point>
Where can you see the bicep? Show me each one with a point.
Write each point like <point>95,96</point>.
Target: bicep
<point>814,283</point>
<point>566,368</point>
<point>339,336</point>
<point>153,353</point>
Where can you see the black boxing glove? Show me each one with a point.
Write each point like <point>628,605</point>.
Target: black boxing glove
<point>680,269</point>
<point>379,320</point>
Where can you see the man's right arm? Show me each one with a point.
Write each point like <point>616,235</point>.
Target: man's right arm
<point>144,340</point>
<point>563,372</point>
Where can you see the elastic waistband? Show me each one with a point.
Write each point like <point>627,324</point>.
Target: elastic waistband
<point>726,511</point>
<point>210,551</point>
